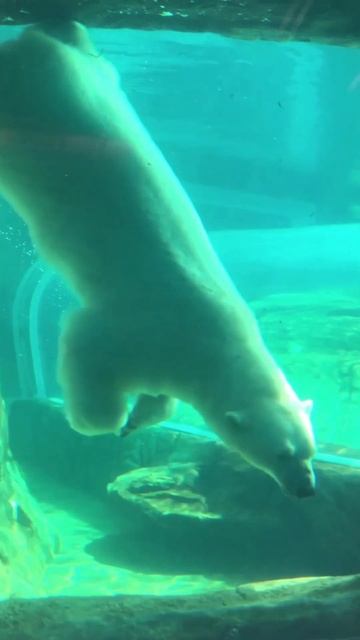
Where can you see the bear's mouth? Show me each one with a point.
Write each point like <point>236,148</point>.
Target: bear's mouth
<point>306,492</point>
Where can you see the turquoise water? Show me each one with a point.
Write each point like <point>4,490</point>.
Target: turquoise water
<point>264,138</point>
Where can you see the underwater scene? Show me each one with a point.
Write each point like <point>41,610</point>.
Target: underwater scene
<point>179,338</point>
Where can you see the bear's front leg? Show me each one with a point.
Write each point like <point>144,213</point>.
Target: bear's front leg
<point>89,375</point>
<point>149,410</point>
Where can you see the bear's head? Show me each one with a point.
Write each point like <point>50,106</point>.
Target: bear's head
<point>276,437</point>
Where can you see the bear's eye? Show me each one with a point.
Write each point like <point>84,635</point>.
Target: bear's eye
<point>285,454</point>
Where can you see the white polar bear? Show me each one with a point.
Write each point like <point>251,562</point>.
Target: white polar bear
<point>160,317</point>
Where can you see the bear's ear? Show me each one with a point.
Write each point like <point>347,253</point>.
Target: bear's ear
<point>235,419</point>
<point>307,405</point>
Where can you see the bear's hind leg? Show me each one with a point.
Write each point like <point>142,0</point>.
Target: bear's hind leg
<point>149,410</point>
<point>89,376</point>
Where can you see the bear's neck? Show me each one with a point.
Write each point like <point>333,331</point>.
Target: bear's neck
<point>232,380</point>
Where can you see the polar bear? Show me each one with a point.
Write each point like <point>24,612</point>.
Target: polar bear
<point>159,318</point>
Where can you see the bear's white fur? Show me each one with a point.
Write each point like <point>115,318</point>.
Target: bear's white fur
<point>160,317</point>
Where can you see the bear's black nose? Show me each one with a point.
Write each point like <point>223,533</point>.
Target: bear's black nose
<point>306,492</point>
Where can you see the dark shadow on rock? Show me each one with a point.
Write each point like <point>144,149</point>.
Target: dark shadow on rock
<point>216,549</point>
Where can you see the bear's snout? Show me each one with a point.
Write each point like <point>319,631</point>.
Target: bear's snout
<point>299,482</point>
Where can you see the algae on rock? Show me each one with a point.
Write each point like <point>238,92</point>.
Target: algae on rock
<point>164,489</point>
<point>25,542</point>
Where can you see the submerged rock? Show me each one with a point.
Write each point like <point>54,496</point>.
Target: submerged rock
<point>261,534</point>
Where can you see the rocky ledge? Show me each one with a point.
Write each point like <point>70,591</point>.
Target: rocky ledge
<point>325,21</point>
<point>303,609</point>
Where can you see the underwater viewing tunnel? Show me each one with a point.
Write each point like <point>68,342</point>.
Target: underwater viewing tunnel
<point>175,531</point>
